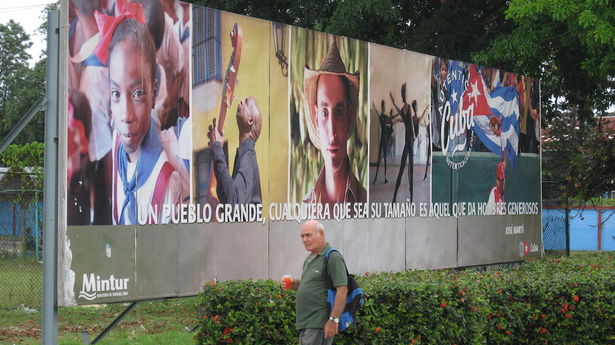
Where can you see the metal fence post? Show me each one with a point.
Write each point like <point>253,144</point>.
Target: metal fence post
<point>50,303</point>
<point>567,223</point>
<point>37,235</point>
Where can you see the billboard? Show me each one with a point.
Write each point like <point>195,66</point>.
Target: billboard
<point>197,141</point>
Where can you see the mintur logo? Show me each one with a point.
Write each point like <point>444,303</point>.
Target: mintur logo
<point>93,287</point>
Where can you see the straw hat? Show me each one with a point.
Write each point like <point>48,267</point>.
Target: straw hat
<point>331,64</point>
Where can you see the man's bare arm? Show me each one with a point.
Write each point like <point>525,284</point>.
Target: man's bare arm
<point>331,327</point>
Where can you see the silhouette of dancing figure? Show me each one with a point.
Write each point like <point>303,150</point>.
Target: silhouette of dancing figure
<point>429,148</point>
<point>408,153</point>
<point>386,129</point>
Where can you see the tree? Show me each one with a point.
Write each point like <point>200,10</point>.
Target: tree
<point>308,14</point>
<point>13,56</point>
<point>448,28</point>
<point>20,85</point>
<point>25,162</point>
<point>27,86</point>
<point>570,46</point>
<point>577,172</point>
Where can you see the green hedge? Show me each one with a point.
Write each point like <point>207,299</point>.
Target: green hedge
<point>547,301</point>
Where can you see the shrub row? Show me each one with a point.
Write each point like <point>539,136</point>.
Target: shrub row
<point>547,301</point>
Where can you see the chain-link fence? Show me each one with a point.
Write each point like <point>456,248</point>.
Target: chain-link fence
<point>555,221</point>
<point>554,231</point>
<point>21,220</point>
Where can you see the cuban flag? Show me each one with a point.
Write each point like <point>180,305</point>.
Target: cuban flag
<point>455,82</point>
<point>495,114</point>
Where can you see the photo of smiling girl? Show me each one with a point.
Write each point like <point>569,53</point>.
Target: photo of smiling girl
<point>142,174</point>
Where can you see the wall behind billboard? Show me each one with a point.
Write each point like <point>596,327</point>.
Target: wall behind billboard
<point>199,140</point>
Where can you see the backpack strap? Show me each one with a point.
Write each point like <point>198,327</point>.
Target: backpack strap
<point>328,280</point>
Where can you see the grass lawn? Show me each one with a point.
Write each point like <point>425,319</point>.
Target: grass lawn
<point>150,322</point>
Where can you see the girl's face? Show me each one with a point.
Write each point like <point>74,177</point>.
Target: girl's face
<point>132,94</point>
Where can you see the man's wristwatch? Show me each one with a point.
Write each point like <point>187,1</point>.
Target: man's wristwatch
<point>334,319</point>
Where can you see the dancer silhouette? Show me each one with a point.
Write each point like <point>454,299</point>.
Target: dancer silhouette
<point>417,120</point>
<point>386,129</point>
<point>429,148</point>
<point>408,153</point>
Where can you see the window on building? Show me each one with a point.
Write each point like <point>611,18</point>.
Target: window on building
<point>206,50</point>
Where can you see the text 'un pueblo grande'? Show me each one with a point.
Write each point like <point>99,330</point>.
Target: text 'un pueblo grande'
<point>300,212</point>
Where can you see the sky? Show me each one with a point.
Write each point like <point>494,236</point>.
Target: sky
<point>29,14</point>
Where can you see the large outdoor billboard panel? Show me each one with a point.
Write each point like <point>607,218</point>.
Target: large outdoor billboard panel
<point>198,141</point>
<point>312,137</point>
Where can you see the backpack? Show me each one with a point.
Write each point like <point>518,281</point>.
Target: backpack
<point>354,300</point>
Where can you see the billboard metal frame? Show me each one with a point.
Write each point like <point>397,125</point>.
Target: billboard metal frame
<point>50,253</point>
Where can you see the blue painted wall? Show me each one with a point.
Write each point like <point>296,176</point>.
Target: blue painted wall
<point>11,218</point>
<point>608,230</point>
<point>583,229</point>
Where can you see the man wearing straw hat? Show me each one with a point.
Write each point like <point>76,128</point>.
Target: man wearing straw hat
<point>496,196</point>
<point>331,100</point>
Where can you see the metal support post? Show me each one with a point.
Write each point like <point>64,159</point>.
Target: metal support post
<point>191,329</point>
<point>567,223</point>
<point>112,325</point>
<point>38,106</point>
<point>50,302</point>
<point>38,228</point>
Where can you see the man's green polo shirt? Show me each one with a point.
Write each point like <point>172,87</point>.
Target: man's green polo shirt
<point>312,310</point>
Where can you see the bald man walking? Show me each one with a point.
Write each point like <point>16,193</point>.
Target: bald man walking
<point>317,324</point>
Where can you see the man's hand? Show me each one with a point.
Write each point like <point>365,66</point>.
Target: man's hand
<point>214,135</point>
<point>288,283</point>
<point>294,284</point>
<point>338,307</point>
<point>330,329</point>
